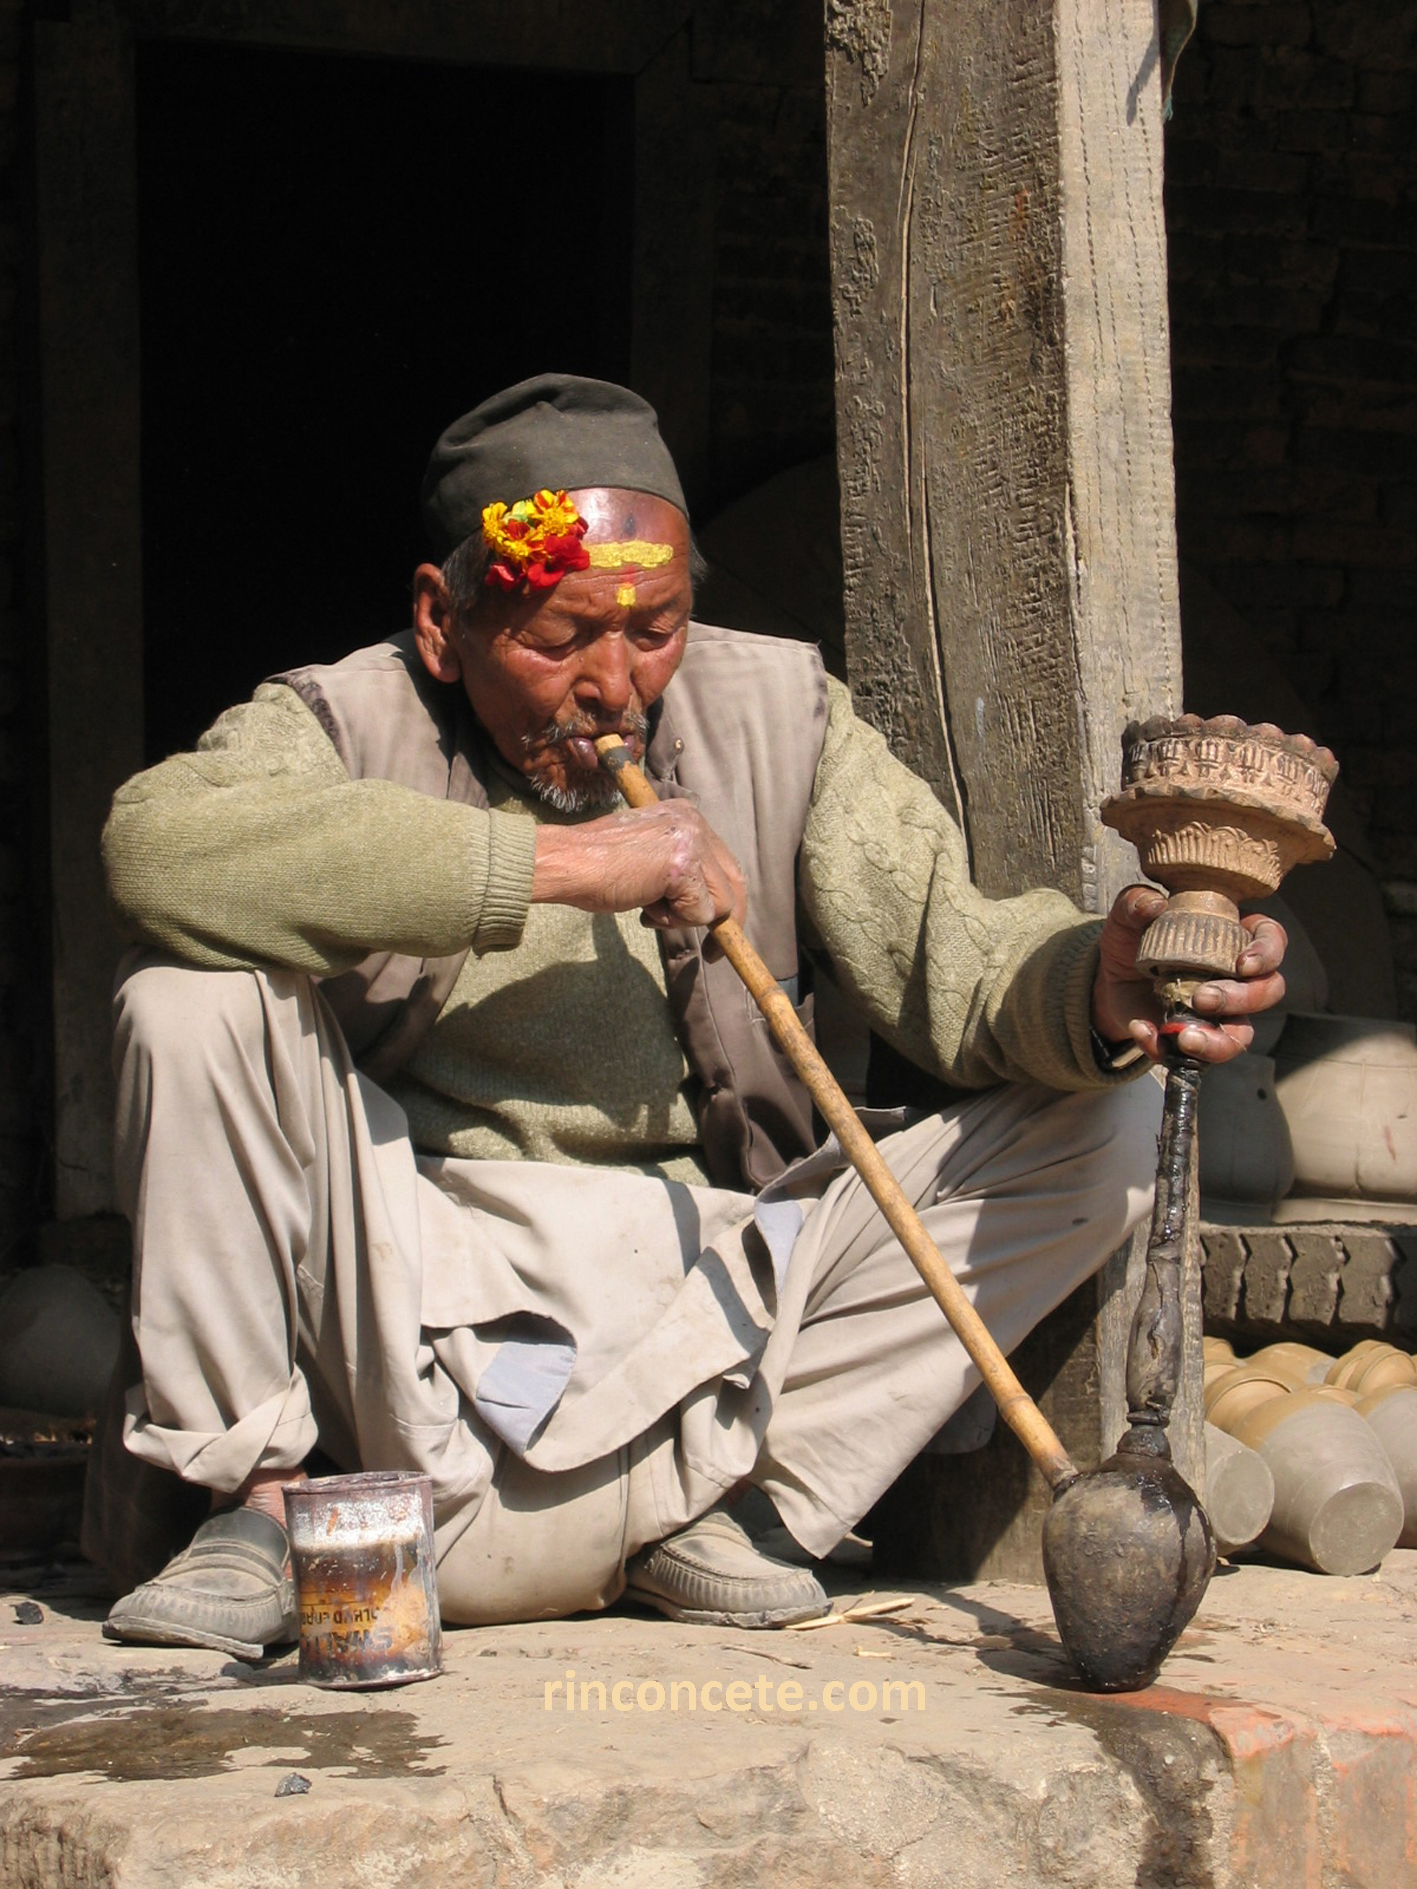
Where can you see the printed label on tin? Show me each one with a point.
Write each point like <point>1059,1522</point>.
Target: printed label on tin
<point>366,1614</point>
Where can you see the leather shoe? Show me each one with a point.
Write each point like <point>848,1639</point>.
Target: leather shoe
<point>231,1588</point>
<point>710,1574</point>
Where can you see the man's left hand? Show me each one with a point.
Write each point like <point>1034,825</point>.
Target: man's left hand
<point>1124,1003</point>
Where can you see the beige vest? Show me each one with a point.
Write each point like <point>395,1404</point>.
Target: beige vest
<point>739,732</point>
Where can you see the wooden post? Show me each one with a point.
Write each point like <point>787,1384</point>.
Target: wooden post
<point>1003,427</point>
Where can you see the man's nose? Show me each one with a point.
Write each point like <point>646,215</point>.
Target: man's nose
<point>605,676</point>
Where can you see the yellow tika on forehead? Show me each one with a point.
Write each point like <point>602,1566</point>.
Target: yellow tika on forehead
<point>627,553</point>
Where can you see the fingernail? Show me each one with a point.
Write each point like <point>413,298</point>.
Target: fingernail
<point>1208,997</point>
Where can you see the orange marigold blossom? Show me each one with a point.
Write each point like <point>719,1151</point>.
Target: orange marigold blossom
<point>537,540</point>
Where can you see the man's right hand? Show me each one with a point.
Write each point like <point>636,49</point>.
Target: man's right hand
<point>665,860</point>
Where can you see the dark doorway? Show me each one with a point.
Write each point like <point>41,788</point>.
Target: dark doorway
<point>338,256</point>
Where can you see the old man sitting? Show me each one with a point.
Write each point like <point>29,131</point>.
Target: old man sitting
<point>448,1146</point>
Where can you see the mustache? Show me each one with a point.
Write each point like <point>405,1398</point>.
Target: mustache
<point>587,727</point>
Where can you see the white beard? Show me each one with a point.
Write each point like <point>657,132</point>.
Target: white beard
<point>598,793</point>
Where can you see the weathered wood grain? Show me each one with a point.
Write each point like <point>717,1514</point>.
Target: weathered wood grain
<point>893,637</point>
<point>1003,439</point>
<point>1003,410</point>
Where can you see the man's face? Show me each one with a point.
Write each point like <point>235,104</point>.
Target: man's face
<point>546,671</point>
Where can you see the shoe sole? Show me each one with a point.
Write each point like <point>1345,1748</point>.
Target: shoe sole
<point>139,1630</point>
<point>719,1617</point>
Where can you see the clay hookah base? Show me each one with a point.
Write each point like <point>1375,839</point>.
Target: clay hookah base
<point>1127,1554</point>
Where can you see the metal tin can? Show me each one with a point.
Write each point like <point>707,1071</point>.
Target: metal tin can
<point>362,1547</point>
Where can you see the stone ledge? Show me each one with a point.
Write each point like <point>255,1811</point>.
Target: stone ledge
<point>1280,1749</point>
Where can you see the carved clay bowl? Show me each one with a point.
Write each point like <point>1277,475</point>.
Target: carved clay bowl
<point>1220,806</point>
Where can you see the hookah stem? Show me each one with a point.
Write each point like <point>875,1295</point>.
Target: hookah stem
<point>1178,1134</point>
<point>1154,1356</point>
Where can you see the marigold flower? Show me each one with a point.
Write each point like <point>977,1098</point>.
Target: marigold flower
<point>537,540</point>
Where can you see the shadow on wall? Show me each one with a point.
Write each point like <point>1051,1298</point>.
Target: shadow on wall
<point>775,560</point>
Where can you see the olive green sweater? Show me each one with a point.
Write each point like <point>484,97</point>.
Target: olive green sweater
<point>258,849</point>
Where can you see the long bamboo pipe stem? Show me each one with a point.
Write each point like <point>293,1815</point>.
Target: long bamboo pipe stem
<point>1016,1407</point>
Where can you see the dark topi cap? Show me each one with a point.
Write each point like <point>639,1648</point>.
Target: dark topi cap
<point>556,430</point>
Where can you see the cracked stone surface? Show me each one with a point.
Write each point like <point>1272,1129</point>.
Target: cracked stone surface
<point>1280,1747</point>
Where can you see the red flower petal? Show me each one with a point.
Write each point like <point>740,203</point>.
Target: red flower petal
<point>567,552</point>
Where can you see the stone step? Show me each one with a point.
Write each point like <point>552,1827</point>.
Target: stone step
<point>941,1747</point>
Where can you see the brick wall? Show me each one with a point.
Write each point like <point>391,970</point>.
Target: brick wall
<point>19,926</point>
<point>1291,162</point>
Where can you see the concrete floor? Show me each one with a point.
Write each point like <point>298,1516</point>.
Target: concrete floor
<point>1281,1749</point>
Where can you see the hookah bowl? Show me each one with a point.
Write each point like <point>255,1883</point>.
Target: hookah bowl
<point>1218,811</point>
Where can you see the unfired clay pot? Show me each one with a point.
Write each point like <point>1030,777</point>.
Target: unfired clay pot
<point>1347,1362</point>
<point>1239,1490</point>
<point>1337,1504</point>
<point>1244,1140</point>
<point>1371,1366</point>
<point>1212,1369</point>
<point>1231,1397</point>
<point>1307,1362</point>
<point>1392,1413</point>
<point>1320,1209</point>
<point>1348,1088</point>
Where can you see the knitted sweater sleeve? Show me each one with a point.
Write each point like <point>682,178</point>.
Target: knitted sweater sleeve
<point>974,990</point>
<point>258,848</point>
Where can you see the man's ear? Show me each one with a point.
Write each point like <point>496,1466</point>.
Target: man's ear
<point>433,624</point>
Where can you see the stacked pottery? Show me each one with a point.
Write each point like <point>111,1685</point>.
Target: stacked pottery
<point>1239,1491</point>
<point>1232,1394</point>
<point>1339,1502</point>
<point>1337,1505</point>
<point>1307,1362</point>
<point>1384,1380</point>
<point>1391,1413</point>
<point>1371,1366</point>
<point>1217,1357</point>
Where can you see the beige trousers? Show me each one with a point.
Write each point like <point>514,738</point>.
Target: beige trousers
<point>301,1276</point>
